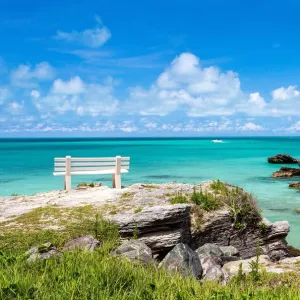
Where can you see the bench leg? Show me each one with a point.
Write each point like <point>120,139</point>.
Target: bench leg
<point>113,180</point>
<point>118,181</point>
<point>67,183</point>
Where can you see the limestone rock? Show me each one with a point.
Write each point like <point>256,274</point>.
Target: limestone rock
<point>282,159</point>
<point>212,268</point>
<point>217,228</point>
<point>286,172</point>
<point>209,250</point>
<point>294,185</point>
<point>184,260</point>
<point>159,227</point>
<point>135,251</point>
<point>229,251</point>
<point>290,260</point>
<point>44,251</point>
<point>83,243</point>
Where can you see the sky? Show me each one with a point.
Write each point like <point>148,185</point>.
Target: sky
<point>149,68</point>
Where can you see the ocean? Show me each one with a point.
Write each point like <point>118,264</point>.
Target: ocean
<point>26,166</point>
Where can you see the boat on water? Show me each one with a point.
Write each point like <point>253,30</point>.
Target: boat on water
<point>217,141</point>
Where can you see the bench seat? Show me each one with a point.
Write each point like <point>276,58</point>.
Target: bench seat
<point>111,171</point>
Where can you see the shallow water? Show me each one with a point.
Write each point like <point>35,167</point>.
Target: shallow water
<point>26,166</point>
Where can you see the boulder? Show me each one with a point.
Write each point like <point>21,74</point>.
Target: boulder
<point>212,268</point>
<point>229,251</point>
<point>159,227</point>
<point>209,250</point>
<point>282,159</point>
<point>184,260</point>
<point>135,251</point>
<point>43,251</point>
<point>286,172</point>
<point>294,185</point>
<point>82,243</point>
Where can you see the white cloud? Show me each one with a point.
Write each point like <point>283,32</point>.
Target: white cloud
<point>72,87</point>
<point>26,76</point>
<point>93,38</point>
<point>35,94</point>
<point>80,98</point>
<point>294,128</point>
<point>127,126</point>
<point>249,127</point>
<point>15,108</point>
<point>4,94</point>
<point>284,94</point>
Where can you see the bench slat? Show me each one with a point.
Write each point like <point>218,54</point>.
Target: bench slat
<point>77,159</point>
<point>89,172</point>
<point>90,164</point>
<point>62,169</point>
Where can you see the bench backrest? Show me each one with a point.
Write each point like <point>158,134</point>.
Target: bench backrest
<point>69,164</point>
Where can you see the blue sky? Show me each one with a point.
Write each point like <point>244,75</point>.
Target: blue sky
<point>149,68</point>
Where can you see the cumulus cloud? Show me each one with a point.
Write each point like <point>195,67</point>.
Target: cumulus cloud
<point>249,127</point>
<point>27,76</point>
<point>35,94</point>
<point>294,128</point>
<point>284,94</point>
<point>15,108</point>
<point>93,38</point>
<point>80,98</point>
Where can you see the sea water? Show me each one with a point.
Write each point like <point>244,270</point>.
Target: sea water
<point>26,166</point>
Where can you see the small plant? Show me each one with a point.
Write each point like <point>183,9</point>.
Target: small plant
<point>127,196</point>
<point>254,265</point>
<point>15,195</point>
<point>262,227</point>
<point>138,210</point>
<point>135,232</point>
<point>207,201</point>
<point>241,276</point>
<point>219,187</point>
<point>86,184</point>
<point>179,198</point>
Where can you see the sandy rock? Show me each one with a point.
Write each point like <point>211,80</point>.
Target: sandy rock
<point>229,251</point>
<point>212,268</point>
<point>135,251</point>
<point>282,159</point>
<point>294,185</point>
<point>83,243</point>
<point>209,250</point>
<point>184,260</point>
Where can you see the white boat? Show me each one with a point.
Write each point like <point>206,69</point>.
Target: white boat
<point>217,141</point>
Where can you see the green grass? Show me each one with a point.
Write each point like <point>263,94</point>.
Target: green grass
<point>99,275</point>
<point>178,198</point>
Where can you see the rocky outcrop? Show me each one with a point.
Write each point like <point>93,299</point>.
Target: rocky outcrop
<point>286,172</point>
<point>294,185</point>
<point>184,260</point>
<point>209,250</point>
<point>135,251</point>
<point>159,227</point>
<point>83,243</point>
<point>42,252</point>
<point>282,159</point>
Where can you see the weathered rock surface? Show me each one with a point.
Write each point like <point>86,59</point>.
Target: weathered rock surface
<point>159,227</point>
<point>44,251</point>
<point>232,268</point>
<point>286,172</point>
<point>217,229</point>
<point>294,185</point>
<point>83,243</point>
<point>184,260</point>
<point>209,250</point>
<point>282,159</point>
<point>229,251</point>
<point>135,251</point>
<point>212,268</point>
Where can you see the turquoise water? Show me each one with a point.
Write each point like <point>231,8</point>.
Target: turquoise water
<point>26,166</point>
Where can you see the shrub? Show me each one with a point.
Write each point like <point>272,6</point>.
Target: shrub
<point>207,201</point>
<point>179,198</point>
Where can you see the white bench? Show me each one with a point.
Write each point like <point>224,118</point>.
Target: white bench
<point>68,166</point>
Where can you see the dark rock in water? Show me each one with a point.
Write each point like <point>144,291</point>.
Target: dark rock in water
<point>44,251</point>
<point>209,250</point>
<point>294,185</point>
<point>83,243</point>
<point>282,159</point>
<point>286,172</point>
<point>229,251</point>
<point>212,268</point>
<point>135,251</point>
<point>184,260</point>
